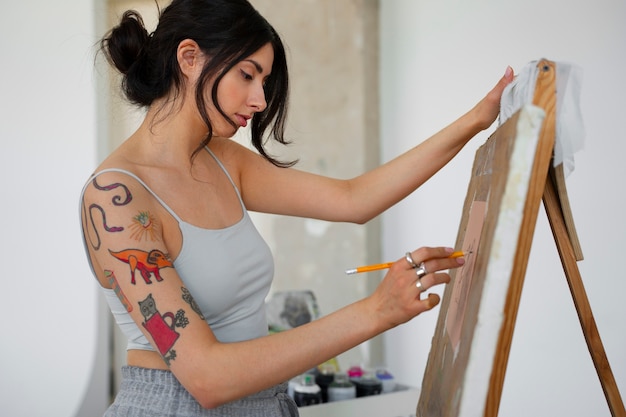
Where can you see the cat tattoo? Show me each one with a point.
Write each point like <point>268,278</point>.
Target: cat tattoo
<point>163,334</point>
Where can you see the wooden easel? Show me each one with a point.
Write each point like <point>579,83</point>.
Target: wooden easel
<point>547,184</point>
<point>556,204</point>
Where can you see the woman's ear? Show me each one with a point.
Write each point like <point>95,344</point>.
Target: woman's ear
<point>190,58</point>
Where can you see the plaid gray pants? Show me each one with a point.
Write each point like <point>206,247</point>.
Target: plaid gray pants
<point>156,393</point>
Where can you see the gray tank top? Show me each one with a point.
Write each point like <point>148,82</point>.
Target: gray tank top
<point>228,271</point>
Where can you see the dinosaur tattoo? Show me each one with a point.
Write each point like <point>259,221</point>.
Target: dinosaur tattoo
<point>148,263</point>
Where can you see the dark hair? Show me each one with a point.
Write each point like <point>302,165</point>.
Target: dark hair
<point>226,30</point>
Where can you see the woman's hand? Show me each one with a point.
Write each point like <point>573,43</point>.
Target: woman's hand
<point>398,297</point>
<point>486,111</point>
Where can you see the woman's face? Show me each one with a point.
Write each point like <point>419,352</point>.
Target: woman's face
<point>240,92</point>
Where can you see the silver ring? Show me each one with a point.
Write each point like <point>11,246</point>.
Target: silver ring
<point>421,271</point>
<point>419,285</point>
<point>410,260</point>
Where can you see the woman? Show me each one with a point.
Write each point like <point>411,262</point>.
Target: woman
<point>169,238</point>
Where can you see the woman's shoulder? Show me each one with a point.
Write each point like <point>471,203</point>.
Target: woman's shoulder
<point>115,169</point>
<point>118,180</point>
<point>117,159</point>
<point>235,155</point>
<point>228,149</point>
<point>124,165</point>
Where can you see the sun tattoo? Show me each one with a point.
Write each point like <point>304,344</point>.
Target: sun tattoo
<point>144,227</point>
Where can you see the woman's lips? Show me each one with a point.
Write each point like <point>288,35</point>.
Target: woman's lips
<point>243,120</point>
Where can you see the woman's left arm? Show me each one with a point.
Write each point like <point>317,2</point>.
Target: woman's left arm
<point>269,189</point>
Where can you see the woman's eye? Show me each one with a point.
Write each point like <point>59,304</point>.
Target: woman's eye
<point>245,75</point>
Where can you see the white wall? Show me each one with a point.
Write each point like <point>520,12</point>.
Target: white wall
<point>47,128</point>
<point>438,59</point>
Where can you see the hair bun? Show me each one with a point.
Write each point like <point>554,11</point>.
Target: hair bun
<point>126,42</point>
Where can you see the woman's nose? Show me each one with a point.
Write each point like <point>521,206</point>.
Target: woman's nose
<point>257,99</point>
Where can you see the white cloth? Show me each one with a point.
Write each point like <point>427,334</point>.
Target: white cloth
<point>570,130</point>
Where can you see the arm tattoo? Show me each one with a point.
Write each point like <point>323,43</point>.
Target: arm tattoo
<point>118,291</point>
<point>148,263</point>
<point>144,227</point>
<point>163,333</point>
<point>189,300</point>
<point>117,200</point>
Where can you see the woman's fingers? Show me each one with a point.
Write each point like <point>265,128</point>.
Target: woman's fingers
<point>429,260</point>
<point>399,296</point>
<point>431,301</point>
<point>429,281</point>
<point>488,108</point>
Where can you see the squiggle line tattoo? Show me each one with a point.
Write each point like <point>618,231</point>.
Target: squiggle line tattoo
<point>113,229</point>
<point>117,200</point>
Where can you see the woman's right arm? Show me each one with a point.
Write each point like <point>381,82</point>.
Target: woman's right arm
<point>123,228</point>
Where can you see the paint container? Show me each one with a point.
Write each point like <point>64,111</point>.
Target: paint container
<point>367,385</point>
<point>388,381</point>
<point>341,388</point>
<point>307,392</point>
<point>355,371</point>
<point>324,377</point>
<point>291,387</point>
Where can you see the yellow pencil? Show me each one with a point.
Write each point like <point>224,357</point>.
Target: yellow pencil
<point>368,268</point>
<point>377,267</point>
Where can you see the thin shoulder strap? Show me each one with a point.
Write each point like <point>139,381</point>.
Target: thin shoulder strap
<point>243,206</point>
<point>139,180</point>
